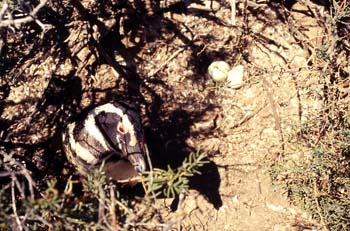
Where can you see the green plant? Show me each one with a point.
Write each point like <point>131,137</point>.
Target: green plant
<point>320,181</point>
<point>315,169</point>
<point>170,182</point>
<point>100,207</point>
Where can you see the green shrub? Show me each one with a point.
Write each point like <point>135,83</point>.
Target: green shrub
<point>99,207</point>
<point>319,180</point>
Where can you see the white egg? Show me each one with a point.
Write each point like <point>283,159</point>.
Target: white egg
<point>218,71</point>
<point>235,77</point>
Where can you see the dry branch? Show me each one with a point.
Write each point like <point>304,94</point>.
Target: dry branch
<point>4,9</point>
<point>18,21</point>
<point>14,207</point>
<point>233,12</point>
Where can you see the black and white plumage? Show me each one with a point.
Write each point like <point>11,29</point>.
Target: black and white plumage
<point>112,133</point>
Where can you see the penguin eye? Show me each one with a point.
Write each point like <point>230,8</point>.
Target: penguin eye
<point>121,129</point>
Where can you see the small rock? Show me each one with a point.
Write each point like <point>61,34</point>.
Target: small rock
<point>235,199</point>
<point>207,120</point>
<point>212,5</point>
<point>218,71</point>
<point>223,209</point>
<point>298,62</point>
<point>235,77</point>
<point>208,5</point>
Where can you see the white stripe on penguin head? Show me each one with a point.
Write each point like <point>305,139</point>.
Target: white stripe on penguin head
<point>80,151</point>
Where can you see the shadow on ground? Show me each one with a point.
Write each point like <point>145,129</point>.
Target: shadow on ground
<point>61,101</point>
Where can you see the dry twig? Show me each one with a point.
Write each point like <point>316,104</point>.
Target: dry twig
<point>167,61</point>
<point>102,204</point>
<point>233,12</point>
<point>18,21</point>
<point>114,221</point>
<point>278,125</point>
<point>14,207</point>
<point>3,10</point>
<point>315,194</point>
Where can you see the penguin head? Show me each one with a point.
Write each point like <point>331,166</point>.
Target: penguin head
<point>121,127</point>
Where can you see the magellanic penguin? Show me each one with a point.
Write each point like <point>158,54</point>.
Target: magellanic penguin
<point>111,134</point>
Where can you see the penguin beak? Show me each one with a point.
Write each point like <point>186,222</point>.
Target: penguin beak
<point>136,155</point>
<point>134,150</point>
